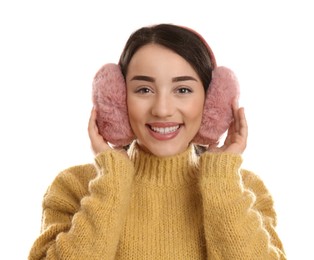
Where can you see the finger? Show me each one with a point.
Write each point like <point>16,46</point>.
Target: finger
<point>92,122</point>
<point>232,128</point>
<point>235,111</point>
<point>243,131</point>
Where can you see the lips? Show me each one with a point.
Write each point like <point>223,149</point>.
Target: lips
<point>164,131</point>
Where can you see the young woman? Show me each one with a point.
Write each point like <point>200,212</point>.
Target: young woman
<point>162,197</point>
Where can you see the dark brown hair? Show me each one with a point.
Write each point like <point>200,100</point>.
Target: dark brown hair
<point>183,41</point>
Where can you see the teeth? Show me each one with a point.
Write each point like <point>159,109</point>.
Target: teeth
<point>165,130</point>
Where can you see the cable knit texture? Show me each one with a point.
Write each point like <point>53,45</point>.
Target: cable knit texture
<point>180,207</point>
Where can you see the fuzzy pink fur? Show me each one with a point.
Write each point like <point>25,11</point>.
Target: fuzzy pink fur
<point>217,114</point>
<point>109,98</point>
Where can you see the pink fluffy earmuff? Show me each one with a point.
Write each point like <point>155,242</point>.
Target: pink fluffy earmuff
<point>109,99</point>
<point>217,113</point>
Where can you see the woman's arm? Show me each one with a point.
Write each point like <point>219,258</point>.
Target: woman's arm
<point>84,211</point>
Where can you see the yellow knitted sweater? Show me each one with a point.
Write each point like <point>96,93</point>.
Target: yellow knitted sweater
<point>180,207</point>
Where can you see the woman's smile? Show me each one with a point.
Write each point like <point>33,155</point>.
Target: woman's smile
<point>164,131</point>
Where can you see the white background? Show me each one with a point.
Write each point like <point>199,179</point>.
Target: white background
<point>50,51</point>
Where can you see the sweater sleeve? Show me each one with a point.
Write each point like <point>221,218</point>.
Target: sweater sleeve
<point>239,218</point>
<point>84,210</point>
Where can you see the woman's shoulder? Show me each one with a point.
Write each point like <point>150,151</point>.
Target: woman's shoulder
<point>78,173</point>
<point>253,181</point>
<point>70,184</point>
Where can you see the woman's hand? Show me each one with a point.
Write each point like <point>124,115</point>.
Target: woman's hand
<point>98,144</point>
<point>236,139</point>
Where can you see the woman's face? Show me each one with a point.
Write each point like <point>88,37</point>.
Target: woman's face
<point>165,99</point>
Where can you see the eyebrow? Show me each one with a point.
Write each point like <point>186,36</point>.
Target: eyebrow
<point>151,79</point>
<point>144,78</point>
<point>183,78</point>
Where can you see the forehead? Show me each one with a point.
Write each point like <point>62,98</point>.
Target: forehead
<point>157,57</point>
<point>153,50</point>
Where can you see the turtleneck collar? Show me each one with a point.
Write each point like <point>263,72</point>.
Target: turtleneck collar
<point>171,171</point>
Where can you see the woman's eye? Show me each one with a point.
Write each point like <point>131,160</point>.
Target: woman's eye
<point>184,90</point>
<point>143,90</point>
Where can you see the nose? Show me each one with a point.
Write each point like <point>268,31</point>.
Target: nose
<point>163,106</point>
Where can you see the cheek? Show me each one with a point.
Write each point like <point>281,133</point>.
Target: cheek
<point>136,111</point>
<point>196,117</point>
<point>131,110</point>
<point>195,110</point>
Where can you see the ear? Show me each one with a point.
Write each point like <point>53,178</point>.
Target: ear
<point>109,99</point>
<point>217,113</point>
